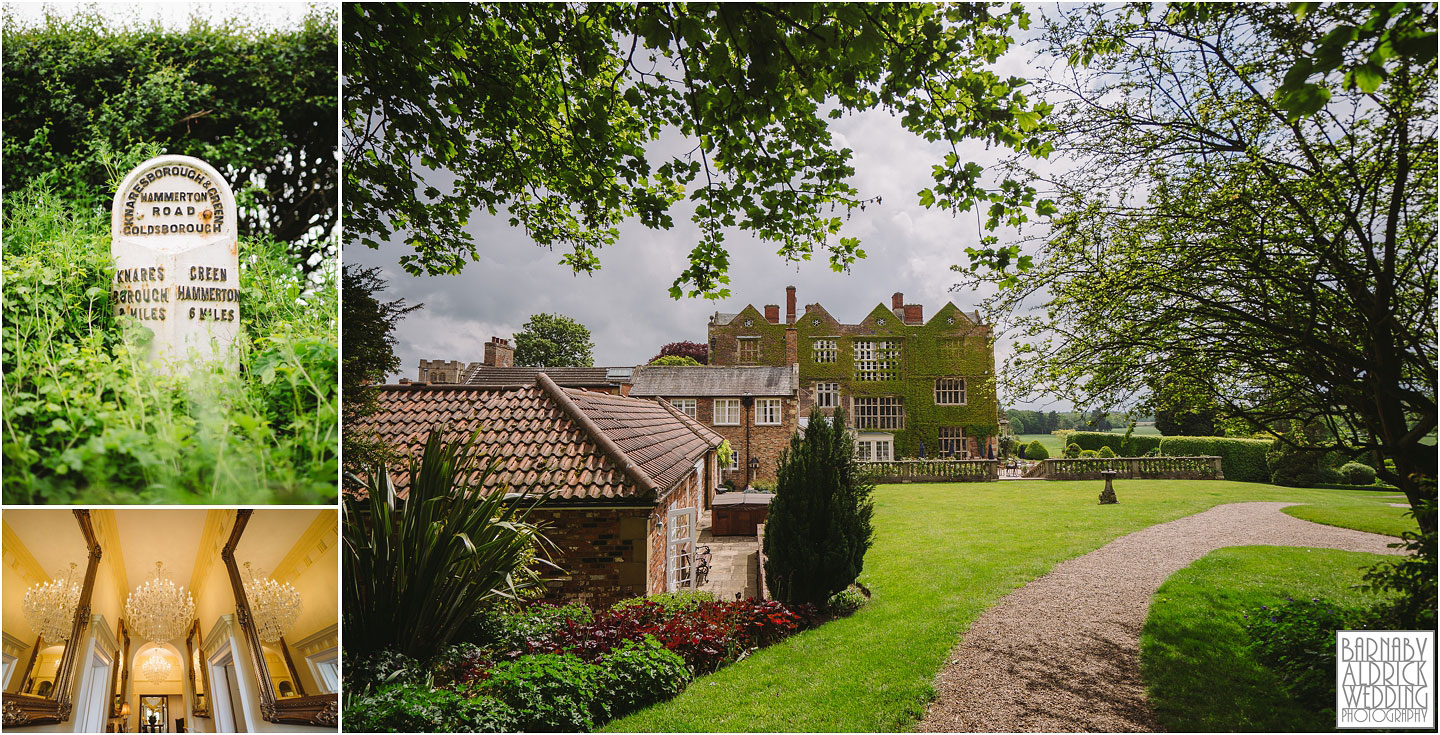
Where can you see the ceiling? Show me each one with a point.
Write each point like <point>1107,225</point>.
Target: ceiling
<point>149,535</point>
<point>271,534</point>
<point>52,536</point>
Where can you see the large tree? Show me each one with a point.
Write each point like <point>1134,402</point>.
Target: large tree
<point>368,357</point>
<point>553,340</point>
<point>552,113</point>
<point>1248,192</point>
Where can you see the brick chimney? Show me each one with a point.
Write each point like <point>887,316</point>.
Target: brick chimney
<point>792,346</point>
<point>914,314</point>
<point>499,353</point>
<point>897,302</point>
<point>772,313</point>
<point>789,304</point>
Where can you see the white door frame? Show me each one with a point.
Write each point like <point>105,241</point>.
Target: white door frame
<point>680,534</point>
<point>94,700</point>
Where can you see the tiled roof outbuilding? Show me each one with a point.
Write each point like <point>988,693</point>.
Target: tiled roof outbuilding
<point>579,444</point>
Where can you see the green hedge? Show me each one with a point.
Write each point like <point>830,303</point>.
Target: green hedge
<point>1139,443</point>
<point>258,104</point>
<point>1240,459</point>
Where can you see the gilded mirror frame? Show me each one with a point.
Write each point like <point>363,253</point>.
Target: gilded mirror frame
<point>122,671</point>
<point>192,646</point>
<point>316,709</point>
<point>22,710</point>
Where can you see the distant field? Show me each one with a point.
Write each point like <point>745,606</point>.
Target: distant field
<point>1052,442</point>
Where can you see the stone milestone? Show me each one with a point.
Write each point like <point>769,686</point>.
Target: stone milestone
<point>177,264</point>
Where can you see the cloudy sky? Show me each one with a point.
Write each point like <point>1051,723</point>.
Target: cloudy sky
<point>173,14</point>
<point>626,305</point>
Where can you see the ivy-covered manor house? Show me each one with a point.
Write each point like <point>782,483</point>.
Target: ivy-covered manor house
<point>912,388</point>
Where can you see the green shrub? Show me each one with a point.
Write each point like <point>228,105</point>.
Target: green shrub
<point>671,602</point>
<point>379,669</point>
<point>637,675</point>
<point>1296,640</point>
<point>549,692</point>
<point>1036,450</point>
<point>1106,453</point>
<point>819,526</point>
<point>1139,443</point>
<point>675,361</point>
<point>1072,451</point>
<point>258,104</point>
<point>1242,460</point>
<point>1294,467</point>
<point>1088,454</point>
<point>1356,473</point>
<point>845,602</point>
<point>418,708</point>
<point>1330,476</point>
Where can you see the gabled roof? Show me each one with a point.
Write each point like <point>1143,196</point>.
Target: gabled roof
<point>580,444</point>
<point>515,377</point>
<point>713,381</point>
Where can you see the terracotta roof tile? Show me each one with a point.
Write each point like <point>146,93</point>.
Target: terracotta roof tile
<point>544,444</point>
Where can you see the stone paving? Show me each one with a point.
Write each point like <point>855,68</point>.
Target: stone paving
<point>734,563</point>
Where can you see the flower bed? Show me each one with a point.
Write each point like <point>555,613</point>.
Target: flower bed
<point>545,667</point>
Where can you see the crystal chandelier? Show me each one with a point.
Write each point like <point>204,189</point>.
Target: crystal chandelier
<point>50,607</point>
<point>156,668</point>
<point>275,606</point>
<point>158,610</point>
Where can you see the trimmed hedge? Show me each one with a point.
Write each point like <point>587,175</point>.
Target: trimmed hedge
<point>1242,460</point>
<point>1139,443</point>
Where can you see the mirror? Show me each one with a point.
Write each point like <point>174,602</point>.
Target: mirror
<point>56,613</point>
<point>272,664</point>
<point>122,671</point>
<point>199,683</point>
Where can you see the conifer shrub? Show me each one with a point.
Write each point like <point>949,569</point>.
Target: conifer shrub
<point>1072,451</point>
<point>819,526</point>
<point>1036,450</point>
<point>1106,452</point>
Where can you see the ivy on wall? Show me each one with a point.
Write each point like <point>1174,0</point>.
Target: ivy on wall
<point>948,345</point>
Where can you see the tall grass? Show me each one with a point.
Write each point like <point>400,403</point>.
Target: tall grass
<point>87,422</point>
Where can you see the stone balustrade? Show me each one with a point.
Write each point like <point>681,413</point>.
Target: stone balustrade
<point>932,470</point>
<point>1129,468</point>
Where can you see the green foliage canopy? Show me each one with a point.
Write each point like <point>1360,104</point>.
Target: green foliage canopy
<point>553,340</point>
<point>1290,258</point>
<point>547,112</point>
<point>369,356</point>
<point>259,105</point>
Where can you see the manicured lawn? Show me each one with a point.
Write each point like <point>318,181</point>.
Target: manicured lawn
<point>1049,441</point>
<point>1373,515</point>
<point>1193,656</point>
<point>943,554</point>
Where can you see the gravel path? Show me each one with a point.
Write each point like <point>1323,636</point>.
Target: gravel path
<point>1062,653</point>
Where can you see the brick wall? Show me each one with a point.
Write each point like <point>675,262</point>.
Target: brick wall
<point>765,441</point>
<point>687,495</point>
<point>601,552</point>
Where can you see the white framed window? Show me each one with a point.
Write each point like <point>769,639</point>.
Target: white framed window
<point>952,442</point>
<point>879,412</point>
<point>686,405</point>
<point>874,447</point>
<point>325,666</point>
<point>825,350</point>
<point>877,359</point>
<point>767,412</point>
<point>727,412</point>
<point>950,392</point>
<point>748,350</point>
<point>827,395</point>
<point>734,460</point>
